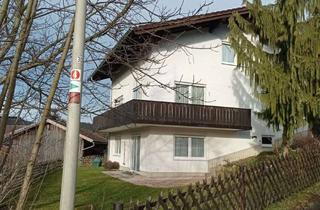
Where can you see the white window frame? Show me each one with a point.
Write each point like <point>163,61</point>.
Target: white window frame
<point>189,148</point>
<point>225,62</point>
<point>190,86</point>
<point>267,145</point>
<point>117,146</point>
<point>137,88</point>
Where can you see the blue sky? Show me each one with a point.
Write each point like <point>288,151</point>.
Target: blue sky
<point>216,6</point>
<point>194,4</point>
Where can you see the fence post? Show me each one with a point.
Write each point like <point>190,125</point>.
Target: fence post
<point>264,169</point>
<point>117,206</point>
<point>243,187</point>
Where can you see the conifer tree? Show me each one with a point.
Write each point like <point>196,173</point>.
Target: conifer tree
<point>278,48</point>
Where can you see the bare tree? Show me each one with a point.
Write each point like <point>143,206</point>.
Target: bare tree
<point>34,59</point>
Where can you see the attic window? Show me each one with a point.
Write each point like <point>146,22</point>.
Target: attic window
<point>228,54</point>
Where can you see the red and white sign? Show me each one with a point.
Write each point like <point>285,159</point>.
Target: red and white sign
<point>75,74</point>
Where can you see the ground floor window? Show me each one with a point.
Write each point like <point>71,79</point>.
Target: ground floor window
<point>117,145</point>
<point>185,146</point>
<point>266,140</point>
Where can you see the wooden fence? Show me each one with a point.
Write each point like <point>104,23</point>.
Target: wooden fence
<point>246,187</point>
<point>11,181</point>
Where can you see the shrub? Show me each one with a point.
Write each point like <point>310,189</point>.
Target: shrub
<point>303,141</point>
<point>115,165</point>
<point>109,165</point>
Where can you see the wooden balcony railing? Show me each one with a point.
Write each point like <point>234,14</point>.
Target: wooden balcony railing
<point>167,113</point>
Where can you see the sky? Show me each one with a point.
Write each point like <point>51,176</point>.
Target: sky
<point>216,6</point>
<point>194,4</point>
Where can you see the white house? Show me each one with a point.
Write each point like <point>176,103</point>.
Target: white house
<point>179,105</point>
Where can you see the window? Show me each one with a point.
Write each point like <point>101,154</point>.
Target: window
<point>197,95</point>
<point>189,147</point>
<point>228,54</point>
<point>117,145</point>
<point>197,147</point>
<point>118,101</point>
<point>266,140</point>
<point>189,93</point>
<point>137,93</point>
<point>182,93</point>
<point>181,147</point>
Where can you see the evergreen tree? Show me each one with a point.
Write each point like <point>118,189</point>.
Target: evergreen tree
<point>278,48</point>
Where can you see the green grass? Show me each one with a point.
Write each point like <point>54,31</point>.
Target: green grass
<point>302,198</point>
<point>93,187</point>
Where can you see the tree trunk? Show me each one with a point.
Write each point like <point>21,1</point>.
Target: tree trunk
<point>37,143</point>
<point>285,141</point>
<point>3,11</point>
<point>23,37</point>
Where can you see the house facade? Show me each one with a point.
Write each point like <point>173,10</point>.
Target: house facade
<point>178,102</point>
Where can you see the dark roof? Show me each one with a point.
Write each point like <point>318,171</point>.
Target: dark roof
<point>132,47</point>
<point>84,131</point>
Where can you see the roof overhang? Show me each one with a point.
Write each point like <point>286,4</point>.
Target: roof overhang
<point>133,45</point>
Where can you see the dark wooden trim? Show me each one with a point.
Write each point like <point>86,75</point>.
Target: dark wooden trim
<point>168,113</point>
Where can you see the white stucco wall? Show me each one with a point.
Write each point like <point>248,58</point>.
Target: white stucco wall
<point>157,148</point>
<point>198,59</point>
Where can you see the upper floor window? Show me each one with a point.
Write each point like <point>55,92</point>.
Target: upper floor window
<point>228,54</point>
<point>137,92</point>
<point>118,101</point>
<point>197,96</point>
<point>182,93</point>
<point>189,93</point>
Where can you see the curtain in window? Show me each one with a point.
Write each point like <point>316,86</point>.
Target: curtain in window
<point>197,147</point>
<point>181,147</point>
<point>182,93</point>
<point>227,54</point>
<point>197,95</point>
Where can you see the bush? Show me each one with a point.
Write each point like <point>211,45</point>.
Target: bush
<point>109,165</point>
<point>115,165</point>
<point>303,141</point>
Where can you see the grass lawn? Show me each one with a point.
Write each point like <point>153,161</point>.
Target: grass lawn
<point>300,200</point>
<point>93,187</point>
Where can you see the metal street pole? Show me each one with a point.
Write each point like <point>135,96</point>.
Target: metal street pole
<point>71,146</point>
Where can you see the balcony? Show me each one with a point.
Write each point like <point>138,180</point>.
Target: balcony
<point>167,113</point>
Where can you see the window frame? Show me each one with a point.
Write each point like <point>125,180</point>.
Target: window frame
<point>190,157</point>
<point>117,146</point>
<point>137,89</point>
<point>190,92</point>
<point>187,97</point>
<point>188,153</point>
<point>267,145</point>
<point>234,63</point>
